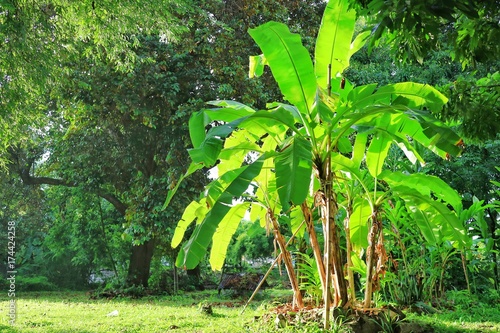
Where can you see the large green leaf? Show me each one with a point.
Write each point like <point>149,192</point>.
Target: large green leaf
<point>225,231</point>
<point>426,185</point>
<point>208,151</point>
<point>228,111</point>
<point>344,164</point>
<point>293,171</point>
<point>359,149</point>
<point>296,222</point>
<point>411,94</point>
<point>377,152</point>
<point>427,227</point>
<point>267,119</point>
<point>358,223</point>
<point>447,221</point>
<point>403,123</point>
<point>195,248</point>
<point>236,149</point>
<point>436,221</point>
<point>290,63</point>
<point>194,210</point>
<point>197,123</point>
<point>333,45</point>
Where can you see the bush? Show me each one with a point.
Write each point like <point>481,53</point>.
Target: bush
<point>34,283</point>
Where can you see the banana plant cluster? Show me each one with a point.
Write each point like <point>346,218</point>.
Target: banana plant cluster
<point>318,160</point>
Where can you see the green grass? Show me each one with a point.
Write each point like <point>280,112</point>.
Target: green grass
<point>470,316</point>
<point>75,312</point>
<point>60,312</point>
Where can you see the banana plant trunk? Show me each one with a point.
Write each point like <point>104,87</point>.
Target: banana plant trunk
<point>371,258</point>
<point>287,258</point>
<point>333,256</point>
<point>350,274</point>
<point>306,211</point>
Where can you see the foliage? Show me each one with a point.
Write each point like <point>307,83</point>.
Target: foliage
<point>35,283</point>
<point>250,244</point>
<point>470,175</point>
<point>292,155</point>
<point>113,124</point>
<point>474,103</point>
<point>34,32</point>
<point>310,280</point>
<point>415,28</point>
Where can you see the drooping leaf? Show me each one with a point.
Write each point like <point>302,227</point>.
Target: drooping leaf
<point>358,223</point>
<point>435,220</point>
<point>197,123</point>
<point>225,231</point>
<point>195,248</point>
<point>411,94</point>
<point>429,230</point>
<point>293,171</point>
<point>424,184</point>
<point>404,124</point>
<point>193,167</point>
<point>377,152</point>
<point>194,210</point>
<point>228,110</point>
<point>207,153</point>
<point>290,63</point>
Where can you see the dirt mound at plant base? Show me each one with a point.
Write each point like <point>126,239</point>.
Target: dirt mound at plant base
<point>357,321</point>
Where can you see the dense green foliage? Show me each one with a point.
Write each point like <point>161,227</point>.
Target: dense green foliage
<point>414,28</point>
<point>95,99</point>
<point>110,132</point>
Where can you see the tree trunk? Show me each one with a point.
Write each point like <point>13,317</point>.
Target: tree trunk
<point>350,274</point>
<point>491,222</point>
<point>285,254</point>
<point>375,259</point>
<point>370,259</point>
<point>140,264</point>
<point>314,244</point>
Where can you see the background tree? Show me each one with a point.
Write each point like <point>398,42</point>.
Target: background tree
<point>113,123</point>
<point>414,28</point>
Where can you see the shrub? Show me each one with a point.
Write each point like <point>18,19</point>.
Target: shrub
<point>34,283</point>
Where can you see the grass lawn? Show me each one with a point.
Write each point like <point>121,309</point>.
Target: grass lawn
<point>75,312</point>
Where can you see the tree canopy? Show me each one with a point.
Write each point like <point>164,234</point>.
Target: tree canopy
<point>468,29</point>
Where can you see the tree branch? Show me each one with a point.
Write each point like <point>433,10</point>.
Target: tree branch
<point>28,179</point>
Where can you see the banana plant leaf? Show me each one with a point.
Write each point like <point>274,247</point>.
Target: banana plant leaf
<point>290,63</point>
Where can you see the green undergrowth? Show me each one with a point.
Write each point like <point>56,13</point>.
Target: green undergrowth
<point>76,312</point>
<point>465,313</point>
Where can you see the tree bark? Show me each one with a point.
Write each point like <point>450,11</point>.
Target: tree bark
<point>140,264</point>
<point>491,222</point>
<point>285,254</point>
<point>314,244</point>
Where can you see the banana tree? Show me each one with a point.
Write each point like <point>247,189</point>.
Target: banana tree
<point>287,158</point>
